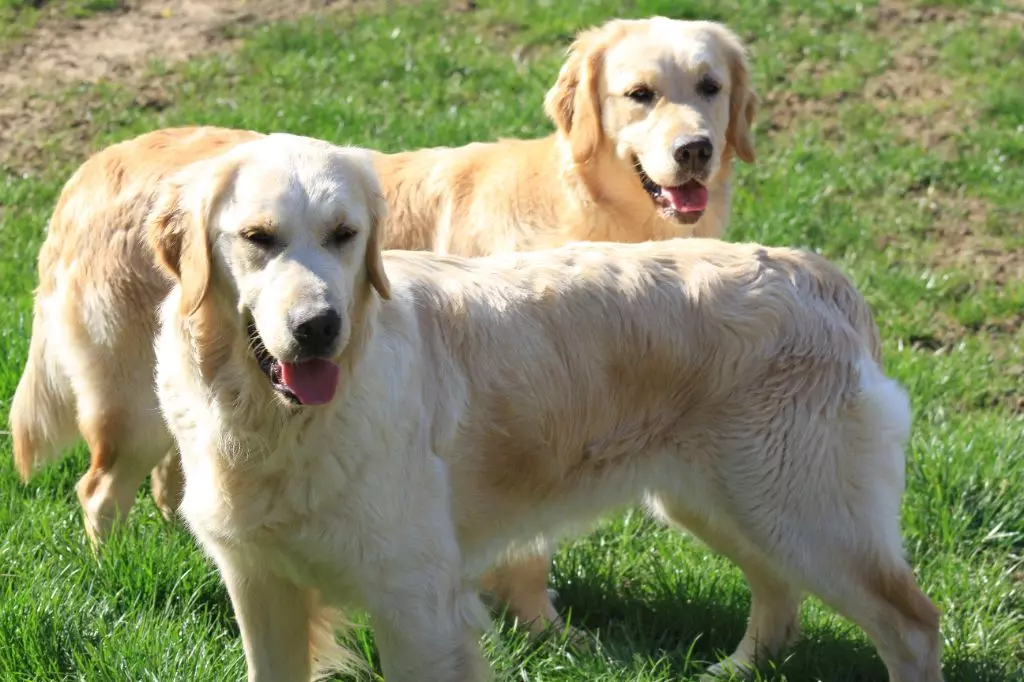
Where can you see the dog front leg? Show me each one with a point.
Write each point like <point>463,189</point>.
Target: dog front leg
<point>427,618</point>
<point>274,617</point>
<point>431,636</point>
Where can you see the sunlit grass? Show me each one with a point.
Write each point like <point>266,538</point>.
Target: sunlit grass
<point>660,605</point>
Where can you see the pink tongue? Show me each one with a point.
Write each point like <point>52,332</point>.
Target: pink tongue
<point>313,381</point>
<point>687,198</point>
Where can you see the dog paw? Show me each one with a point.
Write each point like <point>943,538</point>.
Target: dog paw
<point>576,639</point>
<point>729,669</point>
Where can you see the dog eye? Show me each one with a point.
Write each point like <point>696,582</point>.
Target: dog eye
<point>260,238</point>
<point>641,94</point>
<point>708,87</point>
<point>340,236</point>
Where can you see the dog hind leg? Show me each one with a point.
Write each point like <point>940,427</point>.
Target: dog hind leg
<point>123,446</point>
<point>774,620</point>
<point>521,584</point>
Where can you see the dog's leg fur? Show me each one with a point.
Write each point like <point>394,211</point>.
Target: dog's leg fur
<point>834,532</point>
<point>880,595</point>
<point>275,619</point>
<point>521,583</point>
<point>774,621</point>
<point>123,447</point>
<point>429,633</point>
<point>167,484</point>
<point>427,619</point>
<point>875,586</point>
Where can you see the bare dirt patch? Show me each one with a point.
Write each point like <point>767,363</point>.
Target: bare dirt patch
<point>912,94</point>
<point>893,18</point>
<point>961,239</point>
<point>1012,400</point>
<point>115,46</point>
<point>919,102</point>
<point>784,108</point>
<point>922,104</point>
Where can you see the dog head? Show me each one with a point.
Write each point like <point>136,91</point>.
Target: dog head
<point>671,99</point>
<point>279,236</point>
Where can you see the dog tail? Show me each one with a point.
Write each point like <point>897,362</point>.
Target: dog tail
<point>328,655</point>
<point>42,416</point>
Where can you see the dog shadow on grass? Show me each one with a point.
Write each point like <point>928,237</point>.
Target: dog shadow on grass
<point>683,624</point>
<point>686,633</point>
<point>628,624</point>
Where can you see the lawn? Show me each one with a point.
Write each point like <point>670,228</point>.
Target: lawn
<point>891,139</point>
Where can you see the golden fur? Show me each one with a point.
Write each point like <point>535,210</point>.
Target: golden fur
<point>488,404</point>
<point>580,183</point>
<point>90,358</point>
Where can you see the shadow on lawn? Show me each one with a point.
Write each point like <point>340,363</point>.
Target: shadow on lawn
<point>689,632</point>
<point>685,630</point>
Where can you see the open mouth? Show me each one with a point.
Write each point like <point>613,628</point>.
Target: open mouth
<point>683,203</point>
<point>311,381</point>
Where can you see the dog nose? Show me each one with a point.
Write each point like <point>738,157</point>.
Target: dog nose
<point>694,154</point>
<point>316,335</point>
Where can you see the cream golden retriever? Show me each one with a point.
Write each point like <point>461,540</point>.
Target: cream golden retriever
<point>377,430</point>
<point>649,114</point>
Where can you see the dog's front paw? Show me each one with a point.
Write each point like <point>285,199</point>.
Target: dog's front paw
<point>729,669</point>
<point>574,638</point>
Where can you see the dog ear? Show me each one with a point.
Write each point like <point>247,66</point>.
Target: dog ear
<point>574,102</point>
<point>378,209</point>
<point>560,100</point>
<point>177,230</point>
<point>743,102</point>
<point>374,261</point>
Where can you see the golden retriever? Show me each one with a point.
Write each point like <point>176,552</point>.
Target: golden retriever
<point>371,429</point>
<point>649,113</point>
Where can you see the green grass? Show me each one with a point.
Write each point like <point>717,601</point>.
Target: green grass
<point>661,605</point>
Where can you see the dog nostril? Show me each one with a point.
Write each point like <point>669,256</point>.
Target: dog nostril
<point>317,334</point>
